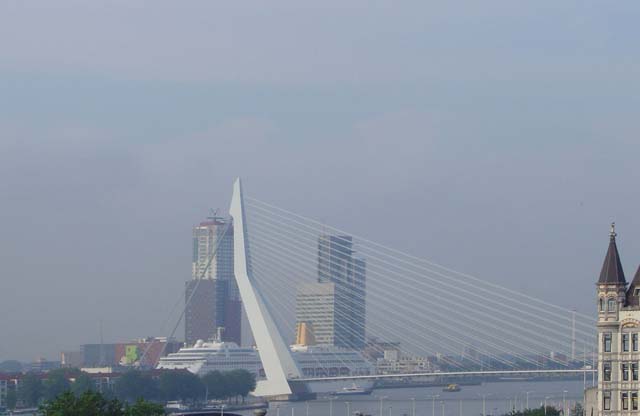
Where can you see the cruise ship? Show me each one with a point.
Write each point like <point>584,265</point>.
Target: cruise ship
<point>313,360</point>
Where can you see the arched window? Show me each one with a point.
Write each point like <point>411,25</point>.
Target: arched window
<point>601,304</point>
<point>612,305</point>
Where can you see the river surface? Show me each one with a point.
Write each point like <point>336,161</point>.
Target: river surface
<point>500,398</point>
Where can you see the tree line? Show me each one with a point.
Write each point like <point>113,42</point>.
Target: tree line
<point>95,404</point>
<point>577,410</point>
<point>165,385</point>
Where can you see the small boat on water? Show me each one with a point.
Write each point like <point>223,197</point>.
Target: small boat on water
<point>451,388</point>
<point>352,390</point>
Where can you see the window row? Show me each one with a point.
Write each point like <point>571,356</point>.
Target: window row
<point>629,371</point>
<point>625,342</point>
<point>629,342</point>
<point>608,305</point>
<point>624,399</point>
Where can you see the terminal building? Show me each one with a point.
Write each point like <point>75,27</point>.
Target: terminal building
<point>618,305</point>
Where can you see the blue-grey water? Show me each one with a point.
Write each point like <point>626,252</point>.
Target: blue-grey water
<point>500,398</point>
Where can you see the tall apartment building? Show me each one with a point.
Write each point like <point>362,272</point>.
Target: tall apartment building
<point>212,299</point>
<point>338,265</point>
<point>618,344</point>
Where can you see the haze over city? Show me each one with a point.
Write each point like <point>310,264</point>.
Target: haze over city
<point>499,139</point>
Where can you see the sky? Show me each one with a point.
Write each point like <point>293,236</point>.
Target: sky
<point>496,138</point>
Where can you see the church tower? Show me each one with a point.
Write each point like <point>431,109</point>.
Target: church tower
<point>612,286</point>
<point>611,298</point>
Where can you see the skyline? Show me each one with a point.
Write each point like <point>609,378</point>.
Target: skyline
<point>497,140</point>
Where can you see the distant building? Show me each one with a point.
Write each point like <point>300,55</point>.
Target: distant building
<point>71,359</point>
<point>212,299</point>
<point>394,362</point>
<point>375,348</point>
<point>42,365</point>
<point>98,355</point>
<point>7,381</point>
<point>338,265</point>
<point>618,327</point>
<point>205,301</point>
<point>315,305</point>
<point>145,352</point>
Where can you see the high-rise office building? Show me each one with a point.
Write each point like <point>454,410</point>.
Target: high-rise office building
<point>212,299</point>
<point>338,265</point>
<point>315,306</point>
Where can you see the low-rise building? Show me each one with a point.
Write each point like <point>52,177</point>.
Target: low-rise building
<point>144,352</point>
<point>394,362</point>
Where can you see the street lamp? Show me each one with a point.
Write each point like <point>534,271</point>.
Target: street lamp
<point>307,406</point>
<point>222,409</point>
<point>331,405</point>
<point>564,402</point>
<point>413,406</point>
<point>442,403</point>
<point>348,408</point>
<point>484,403</point>
<point>381,399</point>
<point>433,404</point>
<point>527,393</point>
<point>278,410</point>
<point>545,404</point>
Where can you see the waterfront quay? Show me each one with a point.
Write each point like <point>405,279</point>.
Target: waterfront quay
<point>499,398</point>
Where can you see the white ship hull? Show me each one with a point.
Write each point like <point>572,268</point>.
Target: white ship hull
<point>313,362</point>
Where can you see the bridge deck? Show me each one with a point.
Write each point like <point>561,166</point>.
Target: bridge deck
<point>453,373</point>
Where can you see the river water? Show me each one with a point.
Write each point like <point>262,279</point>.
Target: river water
<point>500,398</point>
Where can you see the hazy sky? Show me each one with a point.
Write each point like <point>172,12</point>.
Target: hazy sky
<point>498,138</point>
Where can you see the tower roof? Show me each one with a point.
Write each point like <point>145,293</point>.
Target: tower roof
<point>612,272</point>
<point>632,298</point>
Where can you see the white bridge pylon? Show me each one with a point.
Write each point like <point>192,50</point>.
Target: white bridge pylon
<point>277,361</point>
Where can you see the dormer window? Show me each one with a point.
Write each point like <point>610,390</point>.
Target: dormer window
<point>612,305</point>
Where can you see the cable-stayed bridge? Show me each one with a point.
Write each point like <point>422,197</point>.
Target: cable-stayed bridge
<point>305,281</point>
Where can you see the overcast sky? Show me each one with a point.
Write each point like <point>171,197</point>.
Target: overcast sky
<point>498,138</point>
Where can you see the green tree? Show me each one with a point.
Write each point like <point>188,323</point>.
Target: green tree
<point>577,410</point>
<point>214,385</point>
<point>239,383</point>
<point>180,385</point>
<point>134,385</point>
<point>247,383</point>
<point>31,390</point>
<point>12,398</point>
<point>550,411</point>
<point>144,408</point>
<point>56,383</point>
<point>89,403</point>
<point>229,384</point>
<point>81,384</point>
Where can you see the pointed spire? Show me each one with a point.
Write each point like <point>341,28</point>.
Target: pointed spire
<point>612,232</point>
<point>632,298</point>
<point>612,272</point>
